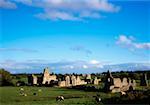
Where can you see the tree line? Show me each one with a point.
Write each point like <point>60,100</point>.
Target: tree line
<point>8,79</point>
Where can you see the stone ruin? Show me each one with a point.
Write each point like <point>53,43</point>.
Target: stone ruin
<point>117,85</point>
<point>88,78</point>
<point>71,81</point>
<point>96,81</point>
<point>47,78</point>
<point>44,80</point>
<point>32,79</point>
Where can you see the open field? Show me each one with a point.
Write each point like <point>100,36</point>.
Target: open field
<point>11,96</point>
<point>47,96</point>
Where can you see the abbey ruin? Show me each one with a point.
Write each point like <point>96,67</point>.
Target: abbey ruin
<point>45,79</point>
<point>111,84</point>
<point>117,84</point>
<point>66,81</point>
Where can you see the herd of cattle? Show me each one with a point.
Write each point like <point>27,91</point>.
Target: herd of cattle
<point>97,98</point>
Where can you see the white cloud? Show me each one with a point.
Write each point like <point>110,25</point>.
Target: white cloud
<point>97,64</point>
<point>7,4</point>
<point>56,15</point>
<point>94,62</point>
<point>142,45</point>
<point>68,66</point>
<point>11,64</point>
<point>71,9</point>
<point>85,66</point>
<point>130,43</point>
<point>124,40</point>
<point>71,67</point>
<point>74,10</point>
<point>59,65</point>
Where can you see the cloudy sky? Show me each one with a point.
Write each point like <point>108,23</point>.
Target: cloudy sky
<point>74,35</point>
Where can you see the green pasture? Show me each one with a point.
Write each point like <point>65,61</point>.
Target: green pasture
<point>47,96</point>
<point>11,96</point>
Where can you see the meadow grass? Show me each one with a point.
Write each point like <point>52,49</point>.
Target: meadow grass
<point>11,96</point>
<point>47,96</point>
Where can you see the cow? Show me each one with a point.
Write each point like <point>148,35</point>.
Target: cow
<point>60,98</point>
<point>21,89</point>
<point>97,99</point>
<point>25,94</point>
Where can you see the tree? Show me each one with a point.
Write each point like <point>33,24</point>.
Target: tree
<point>5,78</point>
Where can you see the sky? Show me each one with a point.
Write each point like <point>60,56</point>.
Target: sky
<point>73,35</point>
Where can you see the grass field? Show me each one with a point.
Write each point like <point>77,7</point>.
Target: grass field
<point>47,96</point>
<point>11,96</point>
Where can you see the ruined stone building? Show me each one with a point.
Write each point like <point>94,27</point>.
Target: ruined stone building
<point>45,79</point>
<point>32,79</point>
<point>117,84</point>
<point>67,81</point>
<point>71,81</point>
<point>88,78</point>
<point>76,80</point>
<point>96,81</point>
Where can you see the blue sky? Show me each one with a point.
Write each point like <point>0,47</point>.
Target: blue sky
<point>73,35</point>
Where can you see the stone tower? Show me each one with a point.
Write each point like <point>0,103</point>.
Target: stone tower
<point>78,80</point>
<point>109,81</point>
<point>96,81</point>
<point>73,79</point>
<point>46,76</point>
<point>34,80</point>
<point>67,80</point>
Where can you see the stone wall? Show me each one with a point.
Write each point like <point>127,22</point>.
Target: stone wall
<point>71,81</point>
<point>118,84</point>
<point>34,80</point>
<point>62,83</point>
<point>96,81</point>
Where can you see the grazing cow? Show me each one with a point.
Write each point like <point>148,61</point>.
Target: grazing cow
<point>25,94</point>
<point>21,89</point>
<point>97,99</point>
<point>123,93</point>
<point>22,93</point>
<point>60,98</point>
